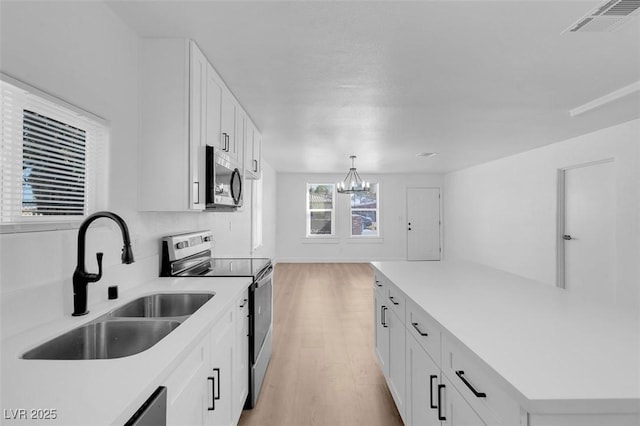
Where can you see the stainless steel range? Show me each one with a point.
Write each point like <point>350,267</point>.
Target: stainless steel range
<point>189,255</point>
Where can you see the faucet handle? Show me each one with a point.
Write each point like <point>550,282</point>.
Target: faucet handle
<point>91,278</point>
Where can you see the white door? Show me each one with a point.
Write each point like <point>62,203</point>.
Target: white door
<point>423,224</point>
<point>589,230</point>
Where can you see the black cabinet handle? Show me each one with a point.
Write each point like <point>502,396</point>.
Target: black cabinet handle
<point>440,416</point>
<point>378,283</point>
<point>255,166</point>
<point>383,316</point>
<point>244,303</point>
<point>217,370</point>
<point>422,333</point>
<point>460,374</point>
<point>431,378</point>
<point>213,394</point>
<point>393,301</point>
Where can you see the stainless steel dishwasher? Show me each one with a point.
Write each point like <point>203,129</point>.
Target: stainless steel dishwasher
<point>153,412</point>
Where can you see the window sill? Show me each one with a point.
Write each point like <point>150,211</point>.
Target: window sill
<point>321,240</point>
<point>17,228</point>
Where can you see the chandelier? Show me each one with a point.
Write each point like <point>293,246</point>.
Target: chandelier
<point>353,183</point>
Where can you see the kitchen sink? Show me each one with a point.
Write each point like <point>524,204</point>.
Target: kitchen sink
<point>163,305</point>
<point>127,330</point>
<point>106,339</point>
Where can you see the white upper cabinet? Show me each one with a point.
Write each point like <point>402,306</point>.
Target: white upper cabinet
<point>214,102</point>
<point>171,167</point>
<point>253,152</point>
<point>184,106</point>
<point>240,136</point>
<point>228,126</point>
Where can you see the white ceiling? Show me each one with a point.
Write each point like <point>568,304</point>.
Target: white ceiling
<point>471,80</point>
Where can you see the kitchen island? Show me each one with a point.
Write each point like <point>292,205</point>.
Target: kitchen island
<point>529,353</point>
<point>107,391</point>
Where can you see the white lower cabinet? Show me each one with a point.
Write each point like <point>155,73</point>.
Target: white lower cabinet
<point>187,388</point>
<point>381,334</point>
<point>389,341</point>
<point>422,386</point>
<point>397,362</point>
<point>241,368</point>
<point>221,371</point>
<point>423,378</point>
<point>210,386</point>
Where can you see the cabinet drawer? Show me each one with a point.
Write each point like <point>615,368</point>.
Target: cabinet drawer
<point>395,299</point>
<point>478,384</point>
<point>424,329</point>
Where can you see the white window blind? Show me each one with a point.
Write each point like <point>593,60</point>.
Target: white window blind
<point>49,149</point>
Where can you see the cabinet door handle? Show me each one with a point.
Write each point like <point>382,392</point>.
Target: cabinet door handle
<point>378,283</point>
<point>420,332</point>
<point>244,303</point>
<point>431,378</point>
<point>383,316</point>
<point>440,416</point>
<point>393,300</point>
<point>460,374</point>
<point>255,166</point>
<point>196,186</point>
<point>217,370</point>
<point>213,398</point>
<point>225,141</point>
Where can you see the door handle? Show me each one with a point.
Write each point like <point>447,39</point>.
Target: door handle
<point>196,187</point>
<point>383,316</point>
<point>440,416</point>
<point>567,237</point>
<point>431,378</point>
<point>215,398</point>
<point>213,394</point>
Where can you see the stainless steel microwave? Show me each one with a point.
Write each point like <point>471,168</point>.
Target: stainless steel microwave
<point>223,181</point>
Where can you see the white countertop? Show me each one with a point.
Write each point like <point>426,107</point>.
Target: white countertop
<point>97,392</point>
<point>559,353</point>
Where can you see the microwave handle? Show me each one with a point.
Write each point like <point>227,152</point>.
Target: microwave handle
<point>236,175</point>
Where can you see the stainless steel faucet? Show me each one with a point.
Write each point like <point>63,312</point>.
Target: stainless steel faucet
<point>80,276</point>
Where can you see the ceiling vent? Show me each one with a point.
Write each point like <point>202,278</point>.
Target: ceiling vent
<point>607,17</point>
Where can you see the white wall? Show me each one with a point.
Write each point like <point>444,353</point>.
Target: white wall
<point>292,246</point>
<point>503,213</point>
<point>83,53</point>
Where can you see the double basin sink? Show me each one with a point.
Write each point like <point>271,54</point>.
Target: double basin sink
<point>127,330</point>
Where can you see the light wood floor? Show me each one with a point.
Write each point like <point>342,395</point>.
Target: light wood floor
<point>323,369</point>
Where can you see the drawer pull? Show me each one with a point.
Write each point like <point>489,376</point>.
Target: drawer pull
<point>460,374</point>
<point>431,378</point>
<point>378,283</point>
<point>383,316</point>
<point>244,303</point>
<point>440,416</point>
<point>393,301</point>
<point>420,332</point>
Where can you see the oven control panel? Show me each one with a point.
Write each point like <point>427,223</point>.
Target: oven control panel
<point>185,245</point>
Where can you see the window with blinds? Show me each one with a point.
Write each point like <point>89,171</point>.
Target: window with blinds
<point>49,149</point>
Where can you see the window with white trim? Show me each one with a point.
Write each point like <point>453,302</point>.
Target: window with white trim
<point>320,209</point>
<point>364,213</point>
<point>49,173</point>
